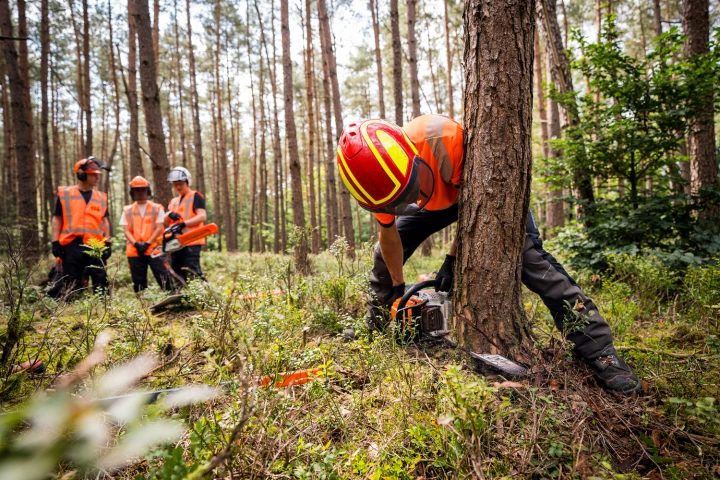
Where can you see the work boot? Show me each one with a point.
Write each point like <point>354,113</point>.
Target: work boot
<point>613,374</point>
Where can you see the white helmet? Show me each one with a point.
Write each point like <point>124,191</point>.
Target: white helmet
<point>179,174</point>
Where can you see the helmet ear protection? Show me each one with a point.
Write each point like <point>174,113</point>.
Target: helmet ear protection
<point>132,192</point>
<point>82,167</point>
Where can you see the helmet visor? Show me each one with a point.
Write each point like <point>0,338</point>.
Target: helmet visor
<point>417,193</point>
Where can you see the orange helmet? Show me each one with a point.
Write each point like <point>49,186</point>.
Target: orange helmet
<point>139,183</point>
<point>381,168</point>
<point>89,165</point>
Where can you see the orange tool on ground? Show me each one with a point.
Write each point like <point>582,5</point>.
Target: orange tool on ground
<point>288,379</point>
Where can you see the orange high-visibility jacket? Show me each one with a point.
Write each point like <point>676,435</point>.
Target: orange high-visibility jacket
<point>141,226</point>
<point>439,141</point>
<point>81,219</point>
<point>184,206</point>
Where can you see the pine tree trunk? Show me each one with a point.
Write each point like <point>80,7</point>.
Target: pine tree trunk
<point>333,229</point>
<point>310,106</point>
<point>448,55</point>
<point>657,18</point>
<point>496,195</point>
<point>116,96</point>
<point>156,34</point>
<point>151,103</point>
<point>301,259</point>
<point>397,62</point>
<point>412,58</point>
<point>561,77</point>
<point>555,209</point>
<point>136,164</point>
<point>378,56</point>
<point>262,163</point>
<point>539,94</point>
<point>197,131</point>
<point>253,158</point>
<point>180,86</point>
<point>703,160</point>
<point>88,85</point>
<point>48,196</point>
<point>345,205</point>
<point>231,231</point>
<point>16,61</point>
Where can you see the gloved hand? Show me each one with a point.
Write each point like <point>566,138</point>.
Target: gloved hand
<point>177,227</point>
<point>141,247</point>
<point>108,251</point>
<point>445,275</point>
<point>57,250</point>
<point>397,292</point>
<point>174,216</point>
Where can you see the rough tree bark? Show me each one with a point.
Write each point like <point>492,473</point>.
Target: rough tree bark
<point>703,161</point>
<point>412,58</point>
<point>151,103</point>
<point>18,78</point>
<point>180,85</point>
<point>310,107</point>
<point>448,55</point>
<point>88,84</point>
<point>378,56</point>
<point>327,46</point>
<point>194,103</point>
<point>301,259</point>
<point>48,196</point>
<point>397,62</point>
<point>496,195</point>
<point>231,229</point>
<point>561,77</point>
<point>136,163</point>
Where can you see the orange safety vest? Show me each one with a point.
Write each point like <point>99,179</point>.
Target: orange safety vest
<point>141,226</point>
<point>81,219</point>
<point>439,141</point>
<point>183,206</point>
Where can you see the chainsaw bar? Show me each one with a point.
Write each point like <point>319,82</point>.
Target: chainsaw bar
<point>428,316</point>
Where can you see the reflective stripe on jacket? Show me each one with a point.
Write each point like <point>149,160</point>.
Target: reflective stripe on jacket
<point>81,219</point>
<point>141,226</point>
<point>439,141</point>
<point>184,206</point>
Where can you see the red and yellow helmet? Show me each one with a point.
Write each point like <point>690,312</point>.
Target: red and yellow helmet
<point>381,168</point>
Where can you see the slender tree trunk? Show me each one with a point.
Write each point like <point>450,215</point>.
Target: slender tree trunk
<point>231,231</point>
<point>539,94</point>
<point>560,74</point>
<point>397,61</point>
<point>497,174</point>
<point>156,33</point>
<point>262,163</point>
<point>253,159</point>
<point>215,176</point>
<point>180,85</point>
<point>17,66</point>
<point>703,160</point>
<point>301,260</point>
<point>412,58</point>
<point>657,18</point>
<point>79,71</point>
<point>44,56</point>
<point>56,159</point>
<point>88,84</point>
<point>136,164</point>
<point>151,103</point>
<point>448,55</point>
<point>310,101</point>
<point>378,56</point>
<point>194,103</point>
<point>555,209</point>
<point>116,94</point>
<point>348,228</point>
<point>330,180</point>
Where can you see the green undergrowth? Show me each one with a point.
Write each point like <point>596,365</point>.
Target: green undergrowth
<point>375,409</point>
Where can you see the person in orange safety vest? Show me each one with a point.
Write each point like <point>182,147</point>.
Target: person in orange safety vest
<point>142,222</point>
<point>80,217</point>
<point>410,178</point>
<point>186,212</point>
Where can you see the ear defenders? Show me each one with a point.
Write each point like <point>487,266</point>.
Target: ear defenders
<point>82,167</point>
<point>132,192</point>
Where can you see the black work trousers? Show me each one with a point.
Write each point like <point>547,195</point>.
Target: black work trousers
<point>139,271</point>
<point>186,262</point>
<point>574,313</point>
<point>74,263</point>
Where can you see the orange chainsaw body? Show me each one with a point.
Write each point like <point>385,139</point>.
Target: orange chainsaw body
<point>198,233</point>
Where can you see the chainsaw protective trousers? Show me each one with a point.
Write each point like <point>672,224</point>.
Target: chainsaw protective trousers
<point>574,313</point>
<point>75,263</point>
<point>186,262</point>
<point>139,271</point>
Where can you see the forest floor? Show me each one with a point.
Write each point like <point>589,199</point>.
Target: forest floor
<point>382,410</point>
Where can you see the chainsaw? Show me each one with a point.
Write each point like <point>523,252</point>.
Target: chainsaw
<point>424,314</point>
<point>172,242</point>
